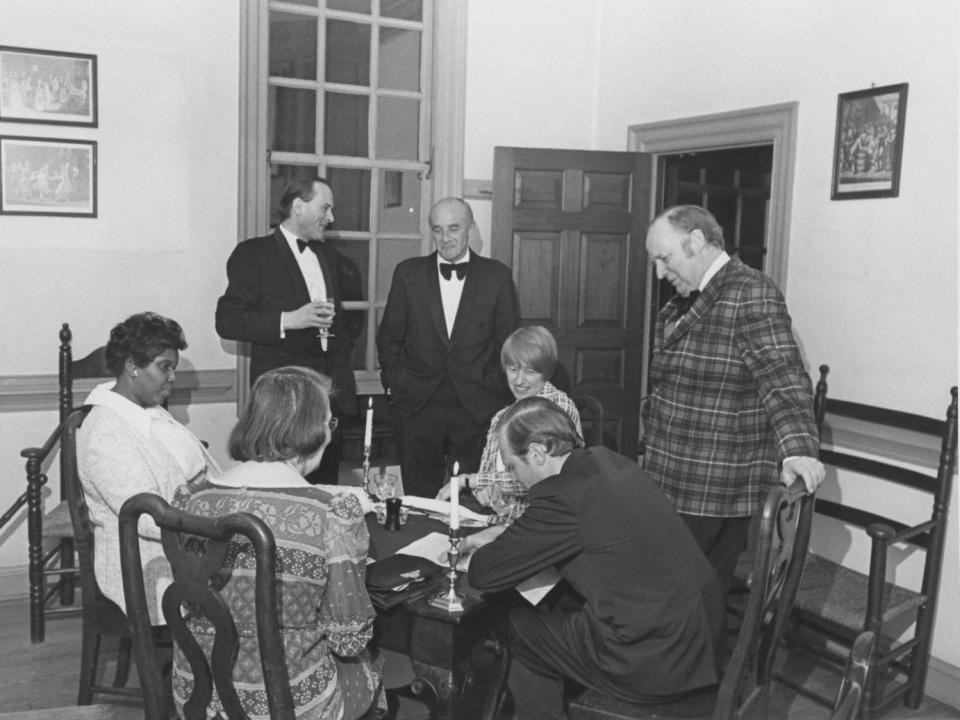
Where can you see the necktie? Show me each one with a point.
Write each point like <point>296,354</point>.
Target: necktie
<point>447,270</point>
<point>684,303</point>
<point>304,244</point>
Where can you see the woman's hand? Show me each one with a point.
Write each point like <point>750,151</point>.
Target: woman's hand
<point>458,481</point>
<point>444,493</point>
<point>482,494</point>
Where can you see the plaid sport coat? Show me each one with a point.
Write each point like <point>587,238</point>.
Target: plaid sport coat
<point>729,399</point>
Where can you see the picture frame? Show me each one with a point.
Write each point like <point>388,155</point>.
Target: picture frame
<point>868,146</point>
<point>48,176</point>
<point>47,86</point>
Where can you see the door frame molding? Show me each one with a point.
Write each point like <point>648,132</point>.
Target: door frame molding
<point>763,125</point>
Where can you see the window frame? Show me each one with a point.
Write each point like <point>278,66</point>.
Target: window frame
<point>445,98</point>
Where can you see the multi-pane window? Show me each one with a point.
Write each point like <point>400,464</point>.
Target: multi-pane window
<point>348,98</point>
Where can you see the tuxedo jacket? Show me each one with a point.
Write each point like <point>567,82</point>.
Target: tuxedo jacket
<point>653,609</point>
<point>729,397</point>
<point>263,281</point>
<point>416,352</point>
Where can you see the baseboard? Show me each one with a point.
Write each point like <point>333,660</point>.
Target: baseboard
<point>943,682</point>
<point>14,582</point>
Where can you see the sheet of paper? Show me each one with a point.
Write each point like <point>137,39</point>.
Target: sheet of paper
<point>434,548</point>
<point>535,588</point>
<point>441,509</point>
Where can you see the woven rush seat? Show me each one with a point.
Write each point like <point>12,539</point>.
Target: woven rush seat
<point>837,594</point>
<point>57,523</point>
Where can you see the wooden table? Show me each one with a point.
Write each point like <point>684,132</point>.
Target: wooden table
<point>443,647</point>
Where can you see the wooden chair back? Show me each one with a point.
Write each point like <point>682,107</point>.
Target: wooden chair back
<point>76,500</point>
<point>782,542</point>
<point>196,547</point>
<point>591,418</point>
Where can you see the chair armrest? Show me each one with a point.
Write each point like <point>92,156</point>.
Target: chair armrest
<point>881,536</point>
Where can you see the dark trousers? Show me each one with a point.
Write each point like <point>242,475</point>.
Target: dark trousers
<point>722,539</point>
<point>431,440</point>
<point>544,655</point>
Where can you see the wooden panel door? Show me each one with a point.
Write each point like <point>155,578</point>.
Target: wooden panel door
<point>571,224</point>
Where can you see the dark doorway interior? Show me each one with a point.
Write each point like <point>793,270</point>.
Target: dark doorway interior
<point>733,184</point>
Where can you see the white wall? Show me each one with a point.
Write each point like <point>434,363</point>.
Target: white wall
<point>871,284</point>
<point>167,206</point>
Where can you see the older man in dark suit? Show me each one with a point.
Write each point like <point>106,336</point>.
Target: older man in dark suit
<point>651,619</point>
<point>284,295</point>
<point>731,407</point>
<point>439,341</point>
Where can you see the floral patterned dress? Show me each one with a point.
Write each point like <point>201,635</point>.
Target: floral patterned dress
<point>327,618</point>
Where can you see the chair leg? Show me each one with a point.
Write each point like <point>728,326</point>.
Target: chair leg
<point>66,563</point>
<point>123,663</point>
<point>89,653</point>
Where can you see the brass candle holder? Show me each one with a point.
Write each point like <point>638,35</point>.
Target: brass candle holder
<point>448,599</point>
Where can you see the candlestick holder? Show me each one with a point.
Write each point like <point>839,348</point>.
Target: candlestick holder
<point>448,599</point>
<point>366,467</point>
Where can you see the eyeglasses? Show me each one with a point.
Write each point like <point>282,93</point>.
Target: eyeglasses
<point>332,424</point>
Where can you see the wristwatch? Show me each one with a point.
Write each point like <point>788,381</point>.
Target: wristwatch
<point>466,482</point>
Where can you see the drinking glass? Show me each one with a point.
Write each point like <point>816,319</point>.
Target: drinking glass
<point>505,497</point>
<point>384,485</point>
<point>323,332</point>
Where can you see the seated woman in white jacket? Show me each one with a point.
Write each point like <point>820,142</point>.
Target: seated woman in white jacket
<point>130,444</point>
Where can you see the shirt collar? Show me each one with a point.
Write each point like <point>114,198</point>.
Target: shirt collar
<point>103,396</point>
<point>465,258</point>
<point>291,240</point>
<point>721,260</point>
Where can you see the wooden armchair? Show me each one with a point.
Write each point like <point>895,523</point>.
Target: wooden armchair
<point>50,536</point>
<point>782,539</point>
<point>196,571</point>
<point>835,604</point>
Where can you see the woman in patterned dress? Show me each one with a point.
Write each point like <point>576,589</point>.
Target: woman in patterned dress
<point>322,545</point>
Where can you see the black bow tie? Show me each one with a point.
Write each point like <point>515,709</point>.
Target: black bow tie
<point>684,302</point>
<point>447,269</point>
<point>304,244</point>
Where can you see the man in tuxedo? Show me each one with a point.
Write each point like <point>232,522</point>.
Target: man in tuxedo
<point>650,618</point>
<point>439,341</point>
<point>731,407</point>
<point>277,287</point>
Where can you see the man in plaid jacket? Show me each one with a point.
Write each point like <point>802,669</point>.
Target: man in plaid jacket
<point>731,407</point>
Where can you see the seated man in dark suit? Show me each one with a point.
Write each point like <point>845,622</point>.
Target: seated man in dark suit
<point>651,619</point>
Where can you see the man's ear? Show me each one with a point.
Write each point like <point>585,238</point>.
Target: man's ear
<point>694,242</point>
<point>537,452</point>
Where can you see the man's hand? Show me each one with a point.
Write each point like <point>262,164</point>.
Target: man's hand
<point>809,469</point>
<point>311,315</point>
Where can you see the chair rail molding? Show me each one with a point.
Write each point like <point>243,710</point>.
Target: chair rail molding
<point>28,393</point>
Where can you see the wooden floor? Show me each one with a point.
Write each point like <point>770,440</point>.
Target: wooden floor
<point>45,675</point>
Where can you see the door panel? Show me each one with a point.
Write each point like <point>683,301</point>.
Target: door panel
<point>571,224</point>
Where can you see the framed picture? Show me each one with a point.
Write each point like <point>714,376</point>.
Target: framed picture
<point>869,143</point>
<point>42,86</point>
<point>47,176</point>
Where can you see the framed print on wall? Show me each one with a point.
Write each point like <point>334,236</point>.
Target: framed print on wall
<point>48,176</point>
<point>869,143</point>
<point>44,86</point>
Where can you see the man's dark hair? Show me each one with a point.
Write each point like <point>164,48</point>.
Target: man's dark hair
<point>538,420</point>
<point>301,188</point>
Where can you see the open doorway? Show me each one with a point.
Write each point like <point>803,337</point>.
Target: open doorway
<point>734,185</point>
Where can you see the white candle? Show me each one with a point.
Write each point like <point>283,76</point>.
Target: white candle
<point>368,429</point>
<point>454,499</point>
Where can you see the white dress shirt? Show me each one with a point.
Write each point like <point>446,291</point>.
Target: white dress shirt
<point>450,292</point>
<point>309,265</point>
